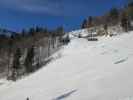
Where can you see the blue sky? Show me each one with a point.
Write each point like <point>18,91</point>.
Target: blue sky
<point>18,14</point>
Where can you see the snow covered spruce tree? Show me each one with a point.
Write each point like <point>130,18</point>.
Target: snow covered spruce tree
<point>29,60</point>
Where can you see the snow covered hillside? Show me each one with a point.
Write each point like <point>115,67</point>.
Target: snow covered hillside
<point>82,70</point>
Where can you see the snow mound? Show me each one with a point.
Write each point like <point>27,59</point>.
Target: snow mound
<point>83,32</point>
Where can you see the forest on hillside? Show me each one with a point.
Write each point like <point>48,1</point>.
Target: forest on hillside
<point>25,52</point>
<point>122,17</point>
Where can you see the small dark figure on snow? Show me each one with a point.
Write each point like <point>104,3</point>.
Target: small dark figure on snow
<point>27,98</point>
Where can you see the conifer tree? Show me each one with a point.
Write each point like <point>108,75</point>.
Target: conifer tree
<point>90,24</point>
<point>84,24</point>
<point>29,60</point>
<point>114,13</point>
<point>16,63</point>
<point>130,10</point>
<point>114,16</point>
<point>125,23</point>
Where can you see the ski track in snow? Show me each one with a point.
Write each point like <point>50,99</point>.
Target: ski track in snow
<point>121,61</point>
<point>63,96</point>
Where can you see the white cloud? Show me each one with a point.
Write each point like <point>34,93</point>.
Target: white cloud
<point>34,6</point>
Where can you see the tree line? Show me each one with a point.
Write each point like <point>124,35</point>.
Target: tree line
<point>25,52</point>
<point>122,16</point>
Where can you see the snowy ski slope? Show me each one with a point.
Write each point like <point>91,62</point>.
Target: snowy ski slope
<point>82,70</point>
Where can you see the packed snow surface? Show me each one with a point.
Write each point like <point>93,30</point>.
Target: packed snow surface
<point>82,70</point>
